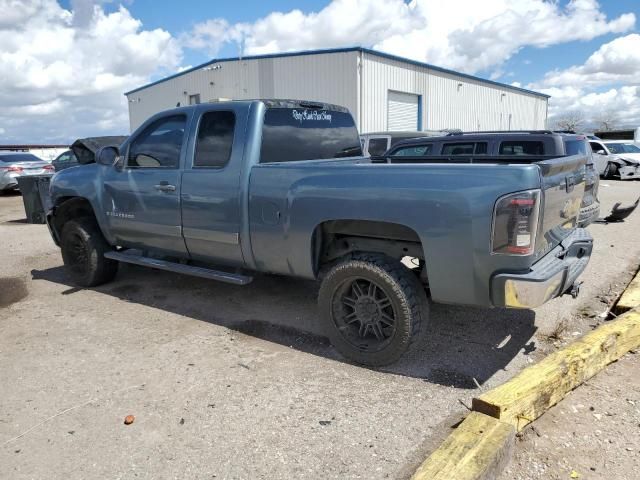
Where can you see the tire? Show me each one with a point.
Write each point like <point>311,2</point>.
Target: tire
<point>611,170</point>
<point>372,307</point>
<point>83,247</point>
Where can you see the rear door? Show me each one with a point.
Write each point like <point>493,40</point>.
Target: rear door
<point>142,197</point>
<point>211,196</point>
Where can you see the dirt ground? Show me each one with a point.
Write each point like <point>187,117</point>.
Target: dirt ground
<point>237,382</point>
<point>593,433</point>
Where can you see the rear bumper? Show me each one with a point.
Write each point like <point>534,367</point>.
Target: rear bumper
<point>549,277</point>
<point>588,214</point>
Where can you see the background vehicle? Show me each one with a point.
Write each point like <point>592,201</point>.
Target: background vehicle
<point>377,143</point>
<point>616,159</point>
<point>222,190</point>
<point>473,146</point>
<point>14,165</point>
<point>65,160</point>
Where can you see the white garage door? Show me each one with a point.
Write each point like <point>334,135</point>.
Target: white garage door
<point>402,111</point>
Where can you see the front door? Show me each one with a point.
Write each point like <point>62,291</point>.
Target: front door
<point>142,197</point>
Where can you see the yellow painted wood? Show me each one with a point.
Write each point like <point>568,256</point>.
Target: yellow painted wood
<point>534,390</point>
<point>630,297</point>
<point>478,449</point>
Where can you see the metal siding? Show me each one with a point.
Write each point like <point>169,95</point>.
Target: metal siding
<point>330,77</point>
<point>472,106</point>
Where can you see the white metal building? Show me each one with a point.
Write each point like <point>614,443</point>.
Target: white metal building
<point>382,91</point>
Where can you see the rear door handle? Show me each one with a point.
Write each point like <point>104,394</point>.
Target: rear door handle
<point>165,187</point>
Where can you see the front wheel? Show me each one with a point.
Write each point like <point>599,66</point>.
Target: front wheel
<point>83,247</point>
<point>372,306</point>
<point>611,170</point>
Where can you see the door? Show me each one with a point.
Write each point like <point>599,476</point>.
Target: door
<point>142,197</point>
<point>211,196</point>
<point>600,156</point>
<point>402,111</point>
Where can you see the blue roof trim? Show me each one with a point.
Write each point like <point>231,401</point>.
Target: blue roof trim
<point>340,50</point>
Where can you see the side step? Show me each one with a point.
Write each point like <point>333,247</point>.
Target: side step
<point>138,259</point>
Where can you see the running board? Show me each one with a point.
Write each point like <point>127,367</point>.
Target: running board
<point>137,259</point>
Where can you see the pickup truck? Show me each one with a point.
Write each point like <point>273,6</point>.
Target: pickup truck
<point>225,190</point>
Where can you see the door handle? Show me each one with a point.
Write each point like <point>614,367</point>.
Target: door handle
<point>165,187</point>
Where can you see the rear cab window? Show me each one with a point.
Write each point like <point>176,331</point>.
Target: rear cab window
<point>309,134</point>
<point>521,147</point>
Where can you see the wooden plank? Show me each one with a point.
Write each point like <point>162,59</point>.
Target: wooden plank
<point>478,449</point>
<point>534,390</point>
<point>630,297</point>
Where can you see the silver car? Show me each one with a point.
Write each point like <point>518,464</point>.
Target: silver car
<point>14,165</point>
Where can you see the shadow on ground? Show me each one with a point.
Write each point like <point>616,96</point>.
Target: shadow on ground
<point>459,347</point>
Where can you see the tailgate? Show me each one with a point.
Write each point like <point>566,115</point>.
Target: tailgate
<point>563,184</point>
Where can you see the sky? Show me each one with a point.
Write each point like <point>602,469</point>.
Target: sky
<point>64,65</point>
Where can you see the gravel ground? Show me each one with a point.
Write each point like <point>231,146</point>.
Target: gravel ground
<point>594,433</point>
<point>235,382</point>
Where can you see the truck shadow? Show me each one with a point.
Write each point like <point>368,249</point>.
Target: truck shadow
<point>461,347</point>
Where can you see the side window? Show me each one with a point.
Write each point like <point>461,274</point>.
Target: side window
<point>479,148</point>
<point>159,145</point>
<point>215,138</point>
<point>575,147</point>
<point>413,151</point>
<point>521,147</point>
<point>595,146</point>
<point>377,146</point>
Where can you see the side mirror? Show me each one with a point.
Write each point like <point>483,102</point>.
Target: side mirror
<point>600,152</point>
<point>107,156</point>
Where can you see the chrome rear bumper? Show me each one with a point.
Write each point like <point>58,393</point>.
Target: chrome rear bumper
<point>550,277</point>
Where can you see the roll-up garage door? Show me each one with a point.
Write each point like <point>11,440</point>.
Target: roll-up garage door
<point>402,111</point>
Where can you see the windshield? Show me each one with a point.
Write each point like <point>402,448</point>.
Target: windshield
<point>19,158</point>
<point>292,134</point>
<point>622,148</point>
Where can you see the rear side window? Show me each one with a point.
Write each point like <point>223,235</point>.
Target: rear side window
<point>521,147</point>
<point>377,146</point>
<point>292,134</point>
<point>159,145</point>
<point>575,147</point>
<point>215,138</point>
<point>413,151</point>
<point>469,148</point>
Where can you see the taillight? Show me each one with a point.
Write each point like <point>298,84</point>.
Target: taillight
<point>515,223</point>
<point>48,168</point>
<point>14,169</point>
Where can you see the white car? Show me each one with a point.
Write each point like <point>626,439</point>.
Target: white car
<point>616,158</point>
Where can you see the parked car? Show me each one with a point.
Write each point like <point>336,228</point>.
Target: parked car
<point>379,142</point>
<point>616,159</point>
<point>513,145</point>
<point>65,160</point>
<point>14,165</point>
<point>224,190</point>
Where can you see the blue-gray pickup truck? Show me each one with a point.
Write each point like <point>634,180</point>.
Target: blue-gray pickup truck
<point>224,190</point>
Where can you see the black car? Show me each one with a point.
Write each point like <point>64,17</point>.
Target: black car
<point>65,160</point>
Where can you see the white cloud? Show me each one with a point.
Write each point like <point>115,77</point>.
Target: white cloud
<point>594,88</point>
<point>466,35</point>
<point>63,73</point>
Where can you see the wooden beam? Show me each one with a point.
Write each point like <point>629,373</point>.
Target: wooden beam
<point>534,390</point>
<point>630,297</point>
<point>478,449</point>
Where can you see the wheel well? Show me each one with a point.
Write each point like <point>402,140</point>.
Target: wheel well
<point>68,208</point>
<point>334,239</point>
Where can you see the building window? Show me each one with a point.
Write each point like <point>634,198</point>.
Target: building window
<point>194,99</point>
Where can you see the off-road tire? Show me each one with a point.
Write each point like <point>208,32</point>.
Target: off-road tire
<point>83,247</point>
<point>397,282</point>
<point>611,170</point>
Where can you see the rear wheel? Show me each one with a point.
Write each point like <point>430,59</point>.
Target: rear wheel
<point>83,247</point>
<point>611,170</point>
<point>372,306</point>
